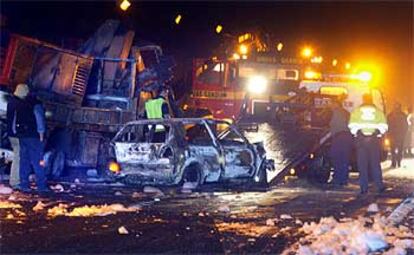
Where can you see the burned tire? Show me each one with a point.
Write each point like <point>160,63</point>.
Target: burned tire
<point>319,170</point>
<point>192,174</point>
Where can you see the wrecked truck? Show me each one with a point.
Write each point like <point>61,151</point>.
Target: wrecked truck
<point>89,93</point>
<point>186,150</point>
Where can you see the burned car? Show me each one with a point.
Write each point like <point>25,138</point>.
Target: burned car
<point>195,150</point>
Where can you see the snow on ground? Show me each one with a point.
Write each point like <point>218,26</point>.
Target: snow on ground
<point>353,236</point>
<point>405,171</point>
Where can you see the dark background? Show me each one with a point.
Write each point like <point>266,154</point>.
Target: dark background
<point>377,32</point>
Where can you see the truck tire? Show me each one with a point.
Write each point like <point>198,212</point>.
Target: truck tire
<point>56,164</point>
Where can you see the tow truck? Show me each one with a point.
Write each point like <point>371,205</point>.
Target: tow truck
<point>312,111</point>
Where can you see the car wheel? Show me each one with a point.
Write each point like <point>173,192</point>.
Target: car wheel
<point>319,170</point>
<point>192,174</point>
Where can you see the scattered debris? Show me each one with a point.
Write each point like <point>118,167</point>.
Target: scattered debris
<point>58,188</point>
<point>298,222</point>
<point>123,231</point>
<point>77,181</point>
<point>270,222</point>
<point>9,205</point>
<point>118,193</point>
<point>373,208</point>
<point>89,211</point>
<point>286,217</point>
<point>39,206</point>
<point>157,199</point>
<point>12,198</point>
<point>402,211</point>
<point>5,190</point>
<point>60,209</point>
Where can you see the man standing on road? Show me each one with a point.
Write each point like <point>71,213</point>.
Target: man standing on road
<point>19,95</point>
<point>398,126</point>
<point>30,127</point>
<point>341,147</point>
<point>367,124</point>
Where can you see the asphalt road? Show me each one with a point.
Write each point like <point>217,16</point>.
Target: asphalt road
<point>212,220</point>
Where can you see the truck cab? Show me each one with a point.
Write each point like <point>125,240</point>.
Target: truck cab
<point>230,88</point>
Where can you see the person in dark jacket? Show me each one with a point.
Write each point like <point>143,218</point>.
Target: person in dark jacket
<point>398,127</point>
<point>29,127</point>
<point>341,147</point>
<point>18,96</point>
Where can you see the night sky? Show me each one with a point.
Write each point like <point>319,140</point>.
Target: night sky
<point>380,32</point>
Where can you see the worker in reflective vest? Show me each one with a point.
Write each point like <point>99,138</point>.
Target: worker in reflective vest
<point>157,108</point>
<point>367,123</point>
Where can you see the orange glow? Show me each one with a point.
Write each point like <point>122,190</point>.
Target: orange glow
<point>279,46</point>
<point>307,52</point>
<point>243,49</point>
<point>114,167</point>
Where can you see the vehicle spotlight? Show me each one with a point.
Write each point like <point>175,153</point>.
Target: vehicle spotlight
<point>307,52</point>
<point>257,84</point>
<point>365,76</point>
<point>219,28</point>
<point>178,19</point>
<point>243,49</point>
<point>125,4</point>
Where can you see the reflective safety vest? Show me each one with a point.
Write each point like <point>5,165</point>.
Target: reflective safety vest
<point>367,119</point>
<point>153,108</point>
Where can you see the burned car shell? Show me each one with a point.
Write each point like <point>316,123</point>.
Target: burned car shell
<point>181,157</point>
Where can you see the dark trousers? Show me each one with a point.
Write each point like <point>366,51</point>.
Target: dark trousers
<point>397,147</point>
<point>340,153</point>
<point>369,161</point>
<point>31,153</point>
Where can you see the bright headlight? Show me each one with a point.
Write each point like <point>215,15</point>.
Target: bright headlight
<point>257,84</point>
